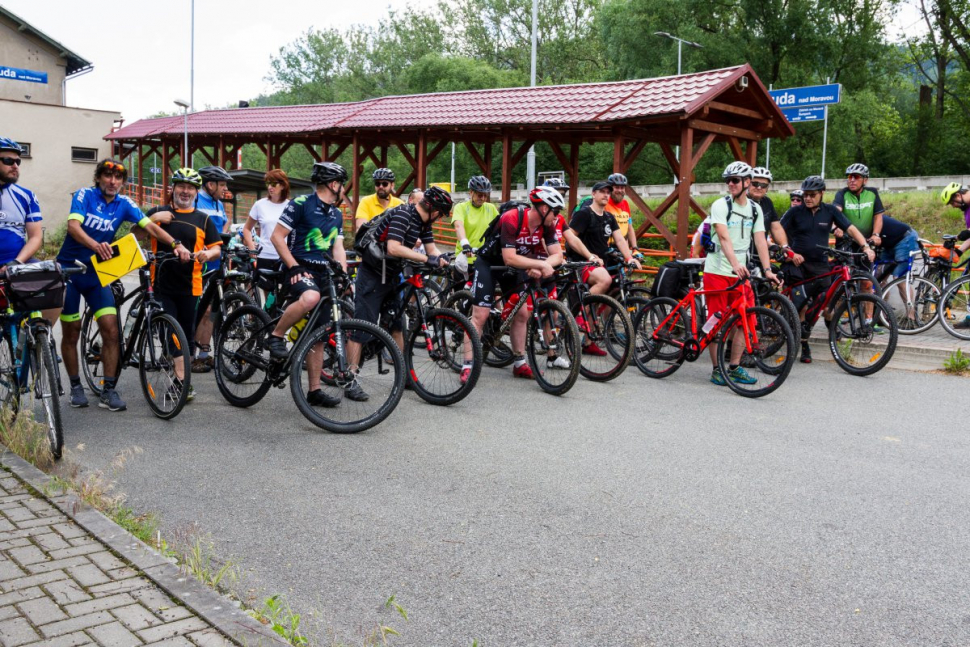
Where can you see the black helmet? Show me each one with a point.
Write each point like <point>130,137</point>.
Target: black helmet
<point>326,172</point>
<point>438,200</point>
<point>214,174</point>
<point>813,183</point>
<point>480,184</point>
<point>617,179</point>
<point>383,174</point>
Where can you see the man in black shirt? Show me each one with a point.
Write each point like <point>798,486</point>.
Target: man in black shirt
<point>758,192</point>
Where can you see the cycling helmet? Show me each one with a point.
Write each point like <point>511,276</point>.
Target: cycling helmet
<point>813,183</point>
<point>617,179</point>
<point>187,175</point>
<point>438,200</point>
<point>951,190</point>
<point>857,169</point>
<point>214,174</point>
<point>546,195</point>
<point>736,169</point>
<point>760,171</point>
<point>556,183</point>
<point>9,145</point>
<point>480,184</point>
<point>797,193</point>
<point>326,172</point>
<point>383,175</point>
<point>110,165</point>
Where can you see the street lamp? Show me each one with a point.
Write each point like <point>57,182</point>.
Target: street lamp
<point>680,44</point>
<point>184,105</point>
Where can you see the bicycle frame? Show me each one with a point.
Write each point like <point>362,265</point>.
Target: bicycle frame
<point>843,278</point>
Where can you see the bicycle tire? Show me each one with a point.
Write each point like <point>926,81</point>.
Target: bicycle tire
<point>565,340</point>
<point>448,328</point>
<point>841,345</point>
<point>926,305</point>
<point>658,358</point>
<point>611,331</point>
<point>9,380</point>
<point>956,307</point>
<point>240,355</point>
<point>173,345</point>
<point>782,305</point>
<point>323,335</point>
<point>774,359</point>
<point>91,358</point>
<point>45,387</point>
<point>231,301</point>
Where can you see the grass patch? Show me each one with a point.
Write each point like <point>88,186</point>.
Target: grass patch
<point>26,438</point>
<point>957,363</point>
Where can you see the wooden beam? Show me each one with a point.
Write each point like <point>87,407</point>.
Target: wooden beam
<point>312,150</point>
<point>141,176</point>
<point>618,145</point>
<point>560,155</point>
<point>735,147</point>
<point>735,110</point>
<point>523,149</point>
<point>668,154</point>
<point>573,176</point>
<point>475,156</point>
<point>488,160</point>
<point>212,158</point>
<point>399,191</point>
<point>440,146</point>
<point>683,192</point>
<point>650,219</point>
<point>702,147</point>
<point>407,154</point>
<point>632,156</point>
<point>751,149</point>
<point>165,170</point>
<point>337,152</point>
<point>506,167</point>
<point>698,209</point>
<point>355,179</point>
<point>384,156</point>
<point>722,129</point>
<point>422,159</point>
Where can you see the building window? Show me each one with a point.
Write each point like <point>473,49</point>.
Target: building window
<point>24,149</point>
<point>79,154</point>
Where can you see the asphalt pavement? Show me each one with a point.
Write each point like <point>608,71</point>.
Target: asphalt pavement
<point>638,512</point>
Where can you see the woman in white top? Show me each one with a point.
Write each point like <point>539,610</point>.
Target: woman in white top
<point>265,214</point>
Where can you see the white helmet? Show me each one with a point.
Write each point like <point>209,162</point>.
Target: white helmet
<point>760,171</point>
<point>737,169</point>
<point>547,195</point>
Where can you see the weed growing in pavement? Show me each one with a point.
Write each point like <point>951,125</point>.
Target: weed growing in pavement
<point>26,438</point>
<point>197,557</point>
<point>278,615</point>
<point>957,363</point>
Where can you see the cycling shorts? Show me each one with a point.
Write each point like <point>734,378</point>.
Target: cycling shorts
<point>182,307</point>
<point>721,301</point>
<point>374,296</point>
<point>806,274</point>
<point>97,297</point>
<point>483,283</point>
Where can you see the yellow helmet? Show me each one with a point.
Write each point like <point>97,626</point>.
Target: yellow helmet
<point>187,175</point>
<point>951,190</point>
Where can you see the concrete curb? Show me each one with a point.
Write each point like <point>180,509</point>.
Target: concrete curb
<point>210,606</point>
<point>906,357</point>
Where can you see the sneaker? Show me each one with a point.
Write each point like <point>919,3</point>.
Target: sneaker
<point>962,325</point>
<point>717,377</point>
<point>276,346</point>
<point>466,373</point>
<point>806,353</point>
<point>593,349</point>
<point>78,399</point>
<point>202,365</point>
<point>741,376</point>
<point>557,362</point>
<point>320,399</point>
<point>523,371</point>
<point>876,328</point>
<point>355,393</point>
<point>111,401</point>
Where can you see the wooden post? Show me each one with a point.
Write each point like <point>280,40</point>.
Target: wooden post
<point>752,152</point>
<point>421,156</point>
<point>683,189</point>
<point>140,194</point>
<point>355,177</point>
<point>384,156</point>
<point>222,152</point>
<point>165,171</point>
<point>618,143</point>
<point>488,159</point>
<point>573,177</point>
<point>506,167</point>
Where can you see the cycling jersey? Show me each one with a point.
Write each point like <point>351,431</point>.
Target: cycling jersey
<point>18,206</point>
<point>768,209</point>
<point>196,231</point>
<point>621,213</point>
<point>594,230</point>
<point>807,230</point>
<point>475,221</point>
<point>99,219</point>
<point>371,207</point>
<point>860,209</point>
<point>314,225</point>
<point>526,242</point>
<point>560,226</point>
<point>742,224</point>
<point>404,224</point>
<point>214,209</point>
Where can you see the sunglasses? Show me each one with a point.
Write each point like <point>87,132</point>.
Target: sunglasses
<point>760,185</point>
<point>272,184</point>
<point>811,194</point>
<point>854,177</point>
<point>734,180</point>
<point>796,200</point>
<point>11,161</point>
<point>113,166</point>
<point>382,184</point>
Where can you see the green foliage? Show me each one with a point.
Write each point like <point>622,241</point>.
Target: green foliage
<point>957,363</point>
<point>276,613</point>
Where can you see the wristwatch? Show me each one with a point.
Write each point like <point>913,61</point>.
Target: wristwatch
<point>176,242</point>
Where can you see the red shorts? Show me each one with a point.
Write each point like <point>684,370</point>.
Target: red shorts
<point>721,301</point>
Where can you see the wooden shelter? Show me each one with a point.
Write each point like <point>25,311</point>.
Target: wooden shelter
<point>691,111</point>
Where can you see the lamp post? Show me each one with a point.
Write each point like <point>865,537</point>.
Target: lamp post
<point>531,157</point>
<point>184,105</point>
<point>680,44</point>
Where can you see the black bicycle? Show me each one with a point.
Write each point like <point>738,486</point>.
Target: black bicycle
<point>226,286</point>
<point>150,339</point>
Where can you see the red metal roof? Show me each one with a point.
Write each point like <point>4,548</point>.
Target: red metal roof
<point>543,105</point>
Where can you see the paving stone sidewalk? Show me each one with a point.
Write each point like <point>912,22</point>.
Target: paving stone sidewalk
<point>62,586</point>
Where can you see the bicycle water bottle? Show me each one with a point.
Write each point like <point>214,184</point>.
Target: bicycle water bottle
<point>270,300</point>
<point>510,305</point>
<point>711,322</point>
<point>130,322</point>
<point>294,333</point>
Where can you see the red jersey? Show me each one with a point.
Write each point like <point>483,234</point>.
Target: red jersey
<point>560,226</point>
<point>526,242</point>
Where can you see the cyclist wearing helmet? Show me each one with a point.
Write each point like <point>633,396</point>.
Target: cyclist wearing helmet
<point>957,195</point>
<point>96,214</point>
<point>529,246</point>
<point>618,206</point>
<point>472,217</point>
<point>808,226</point>
<point>861,205</point>
<point>735,221</point>
<point>308,236</point>
<point>383,199</point>
<point>21,233</point>
<point>415,196</point>
<point>795,198</point>
<point>760,182</point>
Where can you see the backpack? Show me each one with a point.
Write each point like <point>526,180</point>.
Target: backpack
<point>585,202</point>
<point>491,249</point>
<point>368,239</point>
<point>708,240</point>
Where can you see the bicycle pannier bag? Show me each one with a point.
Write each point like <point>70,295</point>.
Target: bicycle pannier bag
<point>35,286</point>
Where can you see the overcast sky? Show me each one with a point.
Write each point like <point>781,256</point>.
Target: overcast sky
<point>140,50</point>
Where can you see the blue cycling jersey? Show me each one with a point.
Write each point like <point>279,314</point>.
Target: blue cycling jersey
<point>99,220</point>
<point>217,214</point>
<point>18,206</point>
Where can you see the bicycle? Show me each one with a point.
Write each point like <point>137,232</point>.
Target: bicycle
<point>667,335</point>
<point>914,299</point>
<point>851,329</point>
<point>27,345</point>
<point>245,371</point>
<point>226,287</point>
<point>150,339</point>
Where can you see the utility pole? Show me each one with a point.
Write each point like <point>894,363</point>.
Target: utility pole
<point>531,157</point>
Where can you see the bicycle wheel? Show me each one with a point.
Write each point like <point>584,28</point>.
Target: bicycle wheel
<point>552,335</point>
<point>9,384</point>
<point>658,346</point>
<point>607,338</point>
<point>46,404</point>
<point>956,308</point>
<point>915,304</point>
<point>242,360</point>
<point>91,362</point>
<point>766,366</point>
<point>434,357</point>
<point>782,305</point>
<point>382,381</point>
<point>856,347</point>
<point>497,351</point>
<point>162,347</point>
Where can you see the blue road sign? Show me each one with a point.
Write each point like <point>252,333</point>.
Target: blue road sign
<point>18,74</point>
<point>812,95</point>
<point>795,115</point>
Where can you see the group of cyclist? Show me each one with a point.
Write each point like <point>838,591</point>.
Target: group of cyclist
<point>303,235</point>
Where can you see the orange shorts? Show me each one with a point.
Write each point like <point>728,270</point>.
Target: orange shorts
<point>721,301</point>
